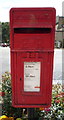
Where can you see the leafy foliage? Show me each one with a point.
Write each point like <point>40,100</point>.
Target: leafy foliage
<point>5,32</point>
<point>7,108</point>
<point>56,111</point>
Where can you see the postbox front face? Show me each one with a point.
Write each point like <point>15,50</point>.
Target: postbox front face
<point>32,47</point>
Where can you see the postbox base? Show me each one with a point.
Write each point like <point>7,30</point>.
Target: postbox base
<point>32,106</point>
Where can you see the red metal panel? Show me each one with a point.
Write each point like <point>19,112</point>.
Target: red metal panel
<point>34,41</point>
<point>32,32</point>
<point>32,17</point>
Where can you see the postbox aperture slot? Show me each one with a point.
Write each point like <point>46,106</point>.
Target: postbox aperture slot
<point>32,30</point>
<point>32,38</point>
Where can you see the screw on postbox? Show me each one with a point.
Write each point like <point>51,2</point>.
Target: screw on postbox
<point>32,34</point>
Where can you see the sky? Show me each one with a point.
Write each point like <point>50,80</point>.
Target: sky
<point>6,5</point>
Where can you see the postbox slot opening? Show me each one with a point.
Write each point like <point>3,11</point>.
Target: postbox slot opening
<point>32,30</point>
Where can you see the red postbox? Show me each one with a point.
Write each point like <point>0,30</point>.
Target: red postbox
<point>32,33</point>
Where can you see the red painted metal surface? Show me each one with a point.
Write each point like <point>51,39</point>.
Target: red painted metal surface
<point>32,34</point>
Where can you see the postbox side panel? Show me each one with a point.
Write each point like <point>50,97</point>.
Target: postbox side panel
<point>14,77</point>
